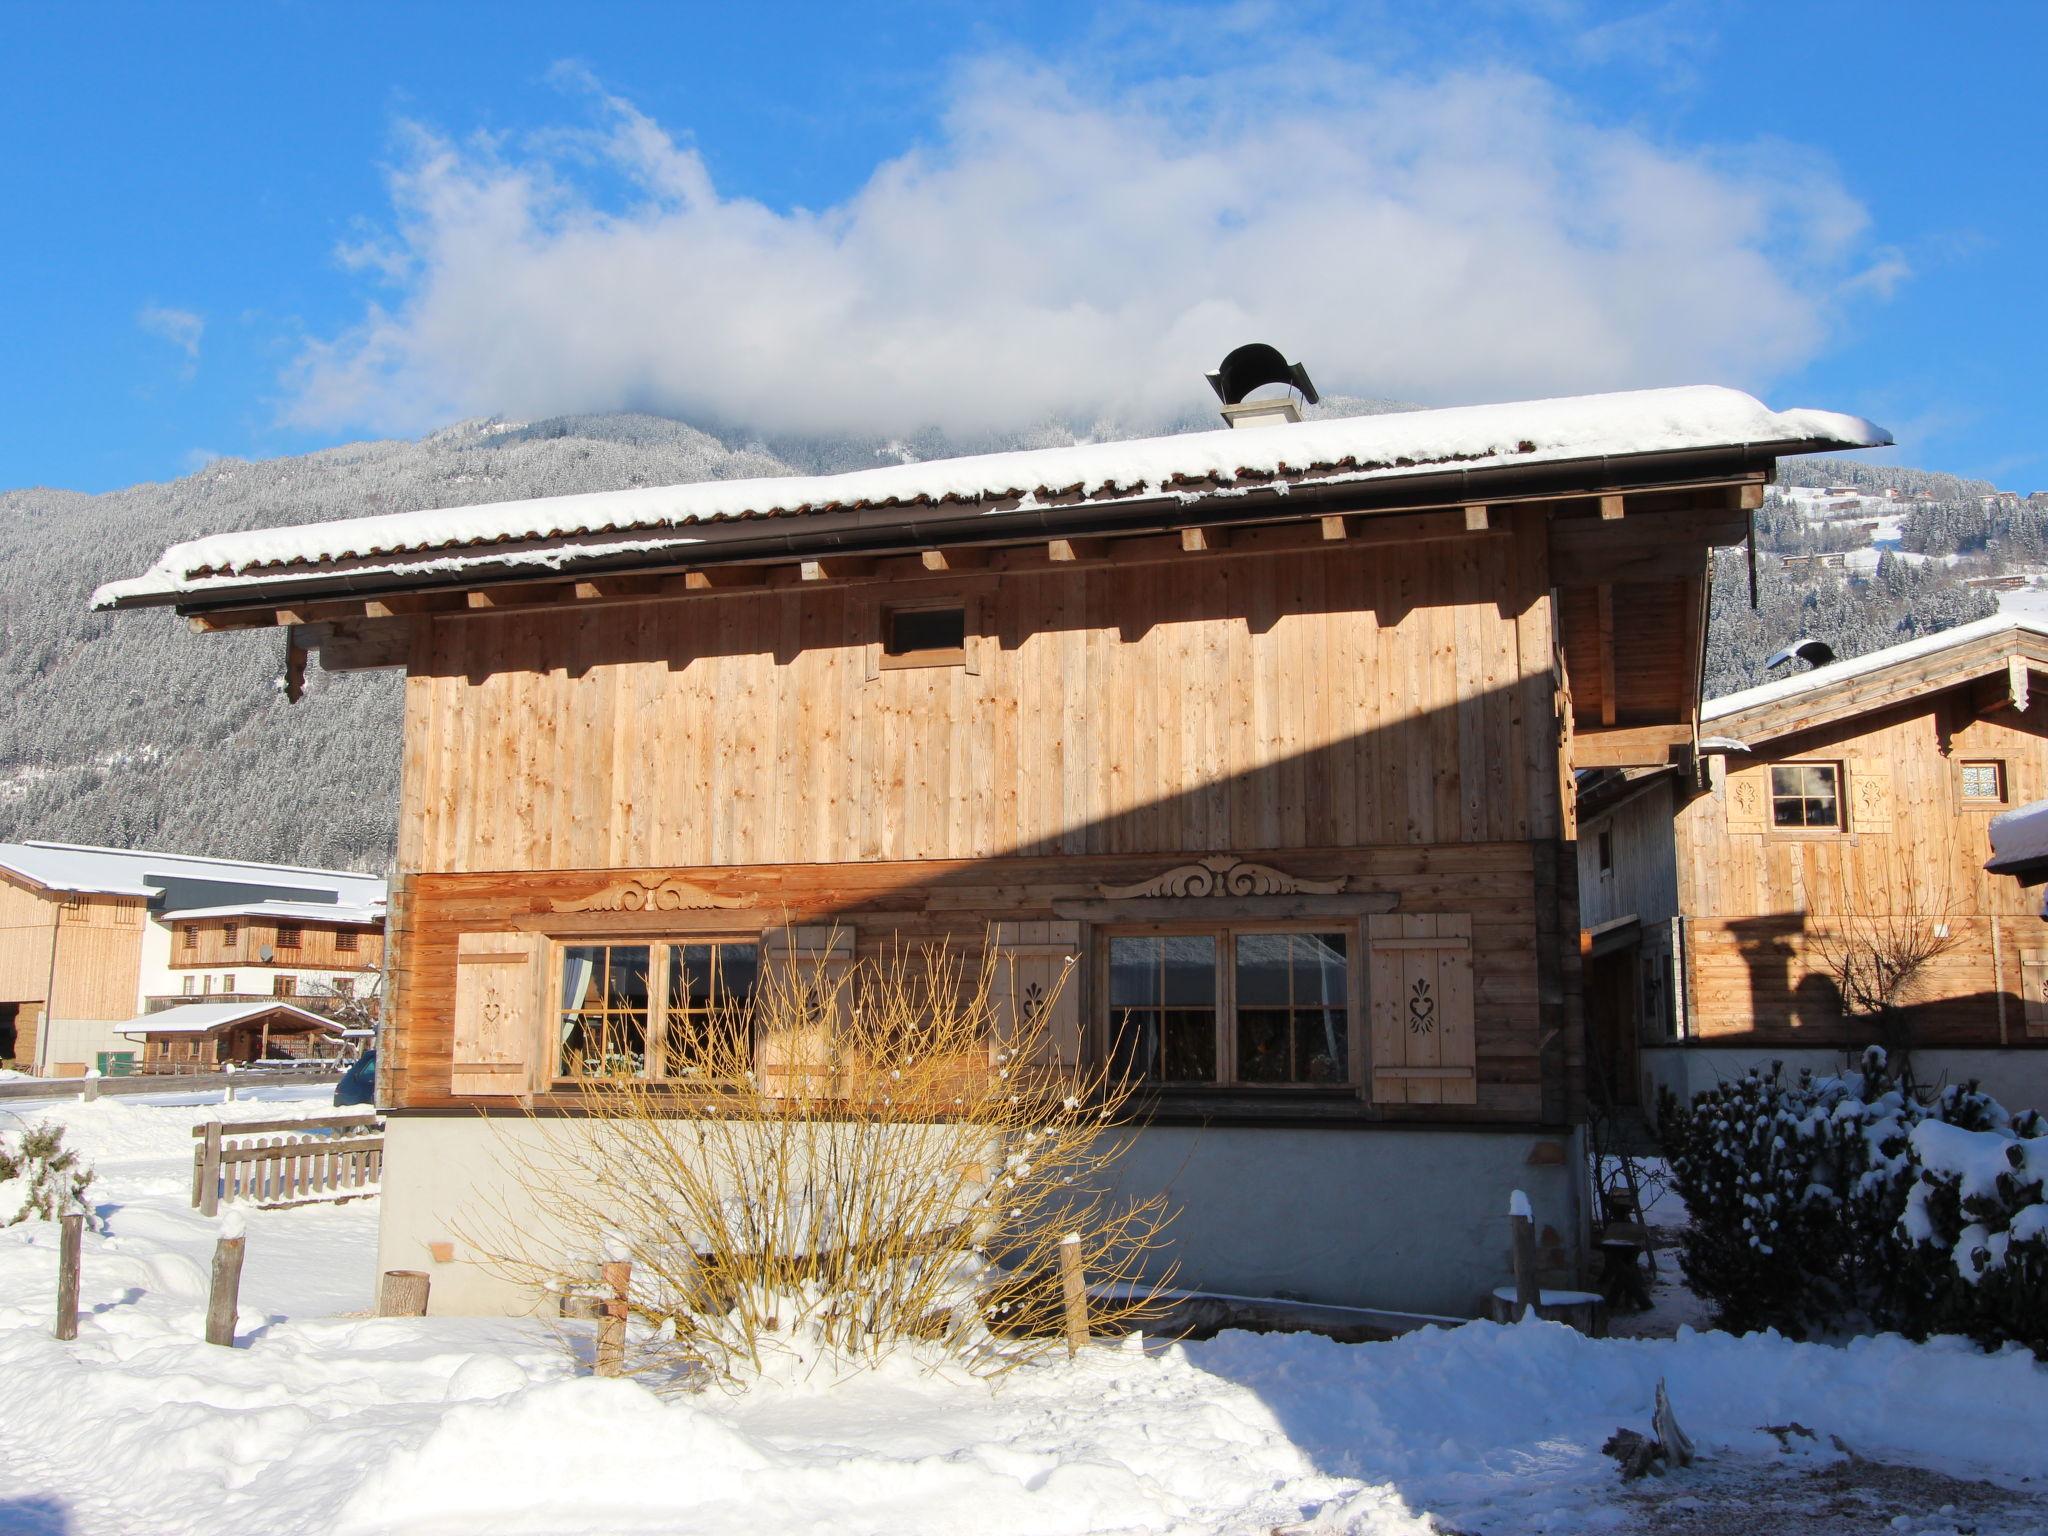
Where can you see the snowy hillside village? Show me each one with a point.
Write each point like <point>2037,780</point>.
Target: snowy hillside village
<point>1181,770</point>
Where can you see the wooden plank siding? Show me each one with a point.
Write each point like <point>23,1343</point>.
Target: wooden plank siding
<point>1339,699</point>
<point>99,955</point>
<point>317,948</point>
<point>1755,899</point>
<point>1388,716</point>
<point>951,901</point>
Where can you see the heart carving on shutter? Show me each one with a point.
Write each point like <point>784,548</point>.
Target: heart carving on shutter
<point>1420,975</point>
<point>1036,970</point>
<point>497,1009</point>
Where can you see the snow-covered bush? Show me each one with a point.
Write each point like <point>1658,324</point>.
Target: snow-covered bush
<point>1842,1203</point>
<point>1977,1222</point>
<point>40,1176</point>
<point>863,1159</point>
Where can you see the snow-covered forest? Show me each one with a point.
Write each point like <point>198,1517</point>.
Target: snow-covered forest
<point>129,730</point>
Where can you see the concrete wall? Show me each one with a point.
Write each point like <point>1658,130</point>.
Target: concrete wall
<point>2018,1079</point>
<point>1406,1220</point>
<point>79,1042</point>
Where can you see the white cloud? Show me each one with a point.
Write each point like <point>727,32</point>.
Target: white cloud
<point>180,327</point>
<point>1090,253</point>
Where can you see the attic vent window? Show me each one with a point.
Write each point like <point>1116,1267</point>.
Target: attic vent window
<point>924,637</point>
<point>288,935</point>
<point>191,937</point>
<point>345,941</point>
<point>230,934</point>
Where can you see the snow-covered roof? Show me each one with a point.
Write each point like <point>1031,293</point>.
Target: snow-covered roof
<point>205,1018</point>
<point>2019,846</point>
<point>1839,672</point>
<point>291,911</point>
<point>1191,466</point>
<point>139,872</point>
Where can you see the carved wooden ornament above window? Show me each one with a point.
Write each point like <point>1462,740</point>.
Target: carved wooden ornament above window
<point>634,895</point>
<point>1223,874</point>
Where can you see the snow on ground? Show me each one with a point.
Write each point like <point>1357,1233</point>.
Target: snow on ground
<point>320,1422</point>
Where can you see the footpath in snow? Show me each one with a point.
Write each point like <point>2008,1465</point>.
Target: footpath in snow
<point>322,1422</point>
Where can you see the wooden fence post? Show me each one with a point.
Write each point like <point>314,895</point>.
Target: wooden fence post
<point>221,1301</point>
<point>611,1324</point>
<point>209,1171</point>
<point>403,1293</point>
<point>1073,1294</point>
<point>1528,1293</point>
<point>67,1276</point>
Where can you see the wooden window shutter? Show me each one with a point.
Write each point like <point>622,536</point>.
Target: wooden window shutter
<point>1037,967</point>
<point>2034,991</point>
<point>1422,1037</point>
<point>1870,797</point>
<point>497,1014</point>
<point>1747,799</point>
<point>796,1060</point>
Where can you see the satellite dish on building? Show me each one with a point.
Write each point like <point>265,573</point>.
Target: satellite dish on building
<point>265,954</point>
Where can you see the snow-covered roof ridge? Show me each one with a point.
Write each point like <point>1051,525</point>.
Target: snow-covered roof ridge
<point>292,911</point>
<point>1192,463</point>
<point>143,872</point>
<point>204,1018</point>
<point>1870,661</point>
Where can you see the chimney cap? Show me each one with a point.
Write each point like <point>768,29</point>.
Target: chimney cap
<point>1255,364</point>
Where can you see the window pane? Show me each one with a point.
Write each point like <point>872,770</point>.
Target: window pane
<point>1319,969</point>
<point>1189,1045</point>
<point>1262,973</point>
<point>1983,781</point>
<point>1293,1018</point>
<point>604,1009</point>
<point>709,987</point>
<point>1133,972</point>
<point>1191,970</point>
<point>1786,780</point>
<point>1264,1053</point>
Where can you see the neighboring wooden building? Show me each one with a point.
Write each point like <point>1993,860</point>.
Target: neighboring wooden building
<point>1270,729</point>
<point>109,933</point>
<point>1839,811</point>
<point>199,1037</point>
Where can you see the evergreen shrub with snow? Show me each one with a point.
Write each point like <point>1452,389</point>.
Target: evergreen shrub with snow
<point>40,1177</point>
<point>1843,1203</point>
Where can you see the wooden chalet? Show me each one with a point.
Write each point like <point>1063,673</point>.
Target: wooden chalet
<point>200,1037</point>
<point>1836,811</point>
<point>1271,729</point>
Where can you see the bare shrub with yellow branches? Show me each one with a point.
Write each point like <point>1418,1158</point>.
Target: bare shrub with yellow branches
<point>863,1157</point>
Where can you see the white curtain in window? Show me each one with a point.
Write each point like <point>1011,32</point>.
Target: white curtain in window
<point>576,974</point>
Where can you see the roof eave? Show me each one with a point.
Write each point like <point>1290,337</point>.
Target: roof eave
<point>883,530</point>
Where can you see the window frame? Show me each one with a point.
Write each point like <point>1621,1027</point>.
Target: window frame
<point>1357,1034</point>
<point>289,936</point>
<point>1836,828</point>
<point>659,947</point>
<point>1969,802</point>
<point>346,941</point>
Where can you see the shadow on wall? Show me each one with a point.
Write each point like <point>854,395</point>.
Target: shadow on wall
<point>1792,997</point>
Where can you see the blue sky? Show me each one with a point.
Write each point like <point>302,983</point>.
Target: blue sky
<point>254,230</point>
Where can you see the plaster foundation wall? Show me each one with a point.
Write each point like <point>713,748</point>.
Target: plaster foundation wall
<point>78,1043</point>
<point>1404,1220</point>
<point>2018,1079</point>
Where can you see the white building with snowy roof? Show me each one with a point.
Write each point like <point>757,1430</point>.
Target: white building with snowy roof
<point>92,939</point>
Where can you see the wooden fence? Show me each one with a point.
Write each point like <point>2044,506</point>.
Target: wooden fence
<point>329,1158</point>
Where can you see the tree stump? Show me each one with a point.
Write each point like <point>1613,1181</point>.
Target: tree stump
<point>403,1293</point>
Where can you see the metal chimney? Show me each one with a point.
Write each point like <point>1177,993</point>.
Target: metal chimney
<point>1250,367</point>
